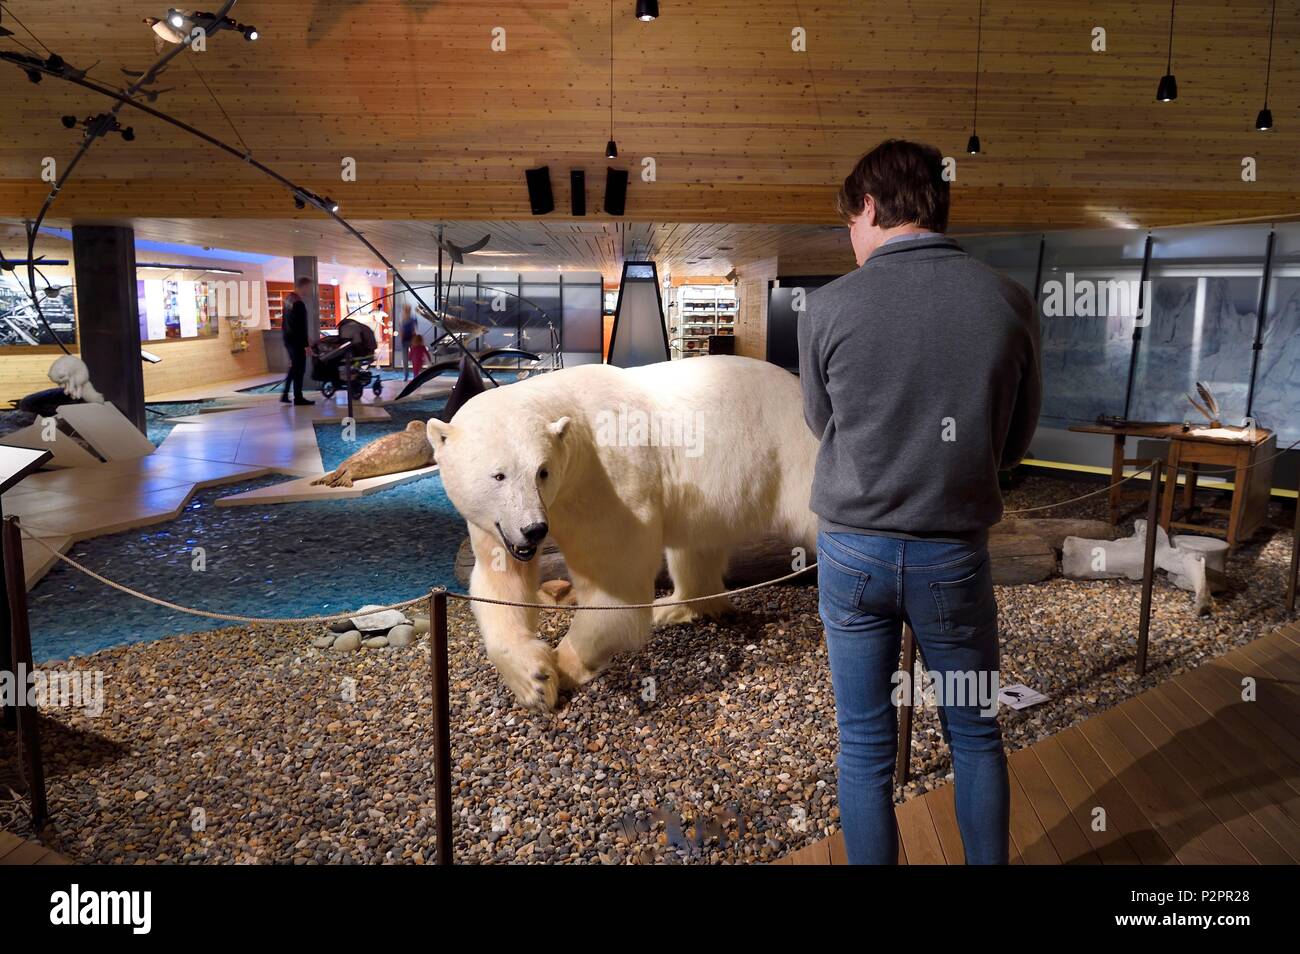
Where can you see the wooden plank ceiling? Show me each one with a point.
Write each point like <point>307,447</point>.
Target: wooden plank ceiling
<point>599,246</point>
<point>742,129</point>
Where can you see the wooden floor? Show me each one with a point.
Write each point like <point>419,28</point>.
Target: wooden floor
<point>15,851</point>
<point>1186,773</point>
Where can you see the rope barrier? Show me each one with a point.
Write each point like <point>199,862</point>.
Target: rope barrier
<point>1091,493</point>
<point>464,597</point>
<point>468,598</point>
<point>227,617</point>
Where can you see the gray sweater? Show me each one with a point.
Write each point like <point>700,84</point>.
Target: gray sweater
<point>921,376</point>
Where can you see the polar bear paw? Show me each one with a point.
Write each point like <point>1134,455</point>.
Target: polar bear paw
<point>529,670</point>
<point>573,671</point>
<point>670,615</point>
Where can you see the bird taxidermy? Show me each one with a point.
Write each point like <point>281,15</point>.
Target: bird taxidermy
<point>1208,405</point>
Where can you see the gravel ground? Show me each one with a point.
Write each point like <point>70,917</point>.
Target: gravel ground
<point>248,735</point>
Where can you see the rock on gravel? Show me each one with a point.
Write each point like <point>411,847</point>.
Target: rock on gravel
<point>348,641</point>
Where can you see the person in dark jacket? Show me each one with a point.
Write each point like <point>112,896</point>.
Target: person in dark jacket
<point>296,340</point>
<point>407,333</point>
<point>920,373</point>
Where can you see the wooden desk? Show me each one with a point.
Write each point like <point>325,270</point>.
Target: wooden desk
<point>1251,464</point>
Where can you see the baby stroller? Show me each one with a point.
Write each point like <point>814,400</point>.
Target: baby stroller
<point>346,359</point>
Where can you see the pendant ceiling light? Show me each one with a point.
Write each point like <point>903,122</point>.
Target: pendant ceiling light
<point>1264,121</point>
<point>647,9</point>
<point>611,147</point>
<point>1167,91</point>
<point>973,143</point>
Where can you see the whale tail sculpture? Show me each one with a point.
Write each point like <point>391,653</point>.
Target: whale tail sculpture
<point>468,384</point>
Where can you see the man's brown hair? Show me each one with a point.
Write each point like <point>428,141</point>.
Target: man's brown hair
<point>906,181</point>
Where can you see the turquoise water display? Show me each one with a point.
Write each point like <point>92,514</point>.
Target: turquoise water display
<point>283,560</point>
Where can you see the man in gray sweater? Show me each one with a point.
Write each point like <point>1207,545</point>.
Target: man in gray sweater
<point>921,377</point>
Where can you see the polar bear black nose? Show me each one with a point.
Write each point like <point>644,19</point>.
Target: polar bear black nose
<point>535,532</point>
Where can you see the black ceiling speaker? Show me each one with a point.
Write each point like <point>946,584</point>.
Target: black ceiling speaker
<point>615,191</point>
<point>578,191</point>
<point>539,190</point>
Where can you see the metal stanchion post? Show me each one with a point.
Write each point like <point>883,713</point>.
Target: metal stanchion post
<point>441,721</point>
<point>29,733</point>
<point>8,714</point>
<point>903,763</point>
<point>347,375</point>
<point>1291,581</point>
<point>1149,566</point>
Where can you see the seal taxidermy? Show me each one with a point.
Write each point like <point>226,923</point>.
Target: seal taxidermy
<point>391,454</point>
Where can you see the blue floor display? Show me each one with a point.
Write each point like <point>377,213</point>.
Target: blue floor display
<point>281,560</point>
<point>158,425</point>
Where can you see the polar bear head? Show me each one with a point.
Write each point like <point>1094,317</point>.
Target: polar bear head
<point>502,476</point>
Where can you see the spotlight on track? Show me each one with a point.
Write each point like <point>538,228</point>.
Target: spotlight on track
<point>611,150</point>
<point>175,18</point>
<point>69,122</point>
<point>164,30</point>
<point>331,204</point>
<point>1264,121</point>
<point>34,75</point>
<point>647,10</point>
<point>973,145</point>
<point>298,201</point>
<point>128,133</point>
<point>250,33</point>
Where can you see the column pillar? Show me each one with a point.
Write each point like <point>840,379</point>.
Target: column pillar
<point>751,307</point>
<point>304,266</point>
<point>108,316</point>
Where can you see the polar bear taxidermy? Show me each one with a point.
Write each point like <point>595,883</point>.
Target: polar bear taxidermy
<point>692,457</point>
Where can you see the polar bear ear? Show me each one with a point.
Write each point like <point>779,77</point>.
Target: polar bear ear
<point>557,427</point>
<point>438,431</point>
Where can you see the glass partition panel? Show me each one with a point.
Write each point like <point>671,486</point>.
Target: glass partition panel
<point>1277,384</point>
<point>1204,293</point>
<point>497,306</point>
<point>540,312</point>
<point>1087,310</point>
<point>582,328</point>
<point>1016,256</point>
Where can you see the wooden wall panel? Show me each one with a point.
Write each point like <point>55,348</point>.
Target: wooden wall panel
<point>751,308</point>
<point>186,363</point>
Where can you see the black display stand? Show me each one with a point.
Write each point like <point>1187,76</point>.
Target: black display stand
<point>633,341</point>
<point>15,637</point>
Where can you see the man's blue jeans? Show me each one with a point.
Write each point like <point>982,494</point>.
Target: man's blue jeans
<point>869,587</point>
